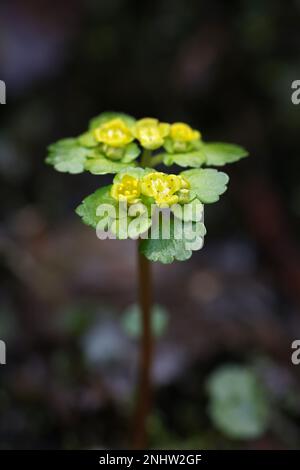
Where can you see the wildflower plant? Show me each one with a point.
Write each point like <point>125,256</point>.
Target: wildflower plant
<point>116,143</point>
<point>164,210</point>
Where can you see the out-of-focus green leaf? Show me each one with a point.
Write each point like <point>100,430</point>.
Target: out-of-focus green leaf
<point>238,403</point>
<point>131,320</point>
<point>103,166</point>
<point>220,153</point>
<point>68,156</point>
<point>190,159</point>
<point>75,319</point>
<point>132,151</point>
<point>88,140</point>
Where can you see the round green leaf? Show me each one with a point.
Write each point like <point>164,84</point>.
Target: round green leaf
<point>207,185</point>
<point>220,153</point>
<point>63,144</point>
<point>132,151</point>
<point>103,166</point>
<point>183,239</point>
<point>238,403</point>
<point>88,140</point>
<point>68,156</point>
<point>87,210</point>
<point>190,212</point>
<point>191,159</point>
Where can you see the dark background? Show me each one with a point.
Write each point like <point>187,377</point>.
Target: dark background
<point>226,68</point>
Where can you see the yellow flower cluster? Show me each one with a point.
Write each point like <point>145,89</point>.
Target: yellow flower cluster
<point>181,132</point>
<point>164,189</point>
<point>127,190</point>
<point>148,131</point>
<point>114,133</point>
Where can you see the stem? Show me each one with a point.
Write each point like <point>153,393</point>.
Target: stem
<point>157,159</point>
<point>144,386</point>
<point>146,158</point>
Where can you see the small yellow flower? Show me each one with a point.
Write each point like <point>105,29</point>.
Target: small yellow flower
<point>184,182</point>
<point>181,132</point>
<point>150,132</point>
<point>114,133</point>
<point>183,196</point>
<point>127,190</point>
<point>162,188</point>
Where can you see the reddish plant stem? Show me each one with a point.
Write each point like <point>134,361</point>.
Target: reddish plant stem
<point>144,385</point>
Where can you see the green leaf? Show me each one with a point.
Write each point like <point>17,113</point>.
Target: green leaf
<point>179,246</point>
<point>207,185</point>
<point>129,223</point>
<point>190,212</point>
<point>238,403</point>
<point>87,210</point>
<point>63,144</point>
<point>103,166</point>
<point>138,226</point>
<point>220,153</point>
<point>134,221</point>
<point>131,153</point>
<point>131,321</point>
<point>68,156</point>
<point>112,153</point>
<point>108,116</point>
<point>132,229</point>
<point>169,145</point>
<point>119,228</point>
<point>136,172</point>
<point>88,140</point>
<point>172,146</point>
<point>191,159</point>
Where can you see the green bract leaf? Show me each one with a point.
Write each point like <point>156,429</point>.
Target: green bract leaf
<point>88,140</point>
<point>132,151</point>
<point>103,166</point>
<point>63,144</point>
<point>68,156</point>
<point>207,185</point>
<point>88,208</point>
<point>219,153</point>
<point>131,227</point>
<point>108,116</point>
<point>184,239</point>
<point>102,212</point>
<point>190,159</point>
<point>191,212</point>
<point>136,172</point>
<point>138,226</point>
<point>119,228</point>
